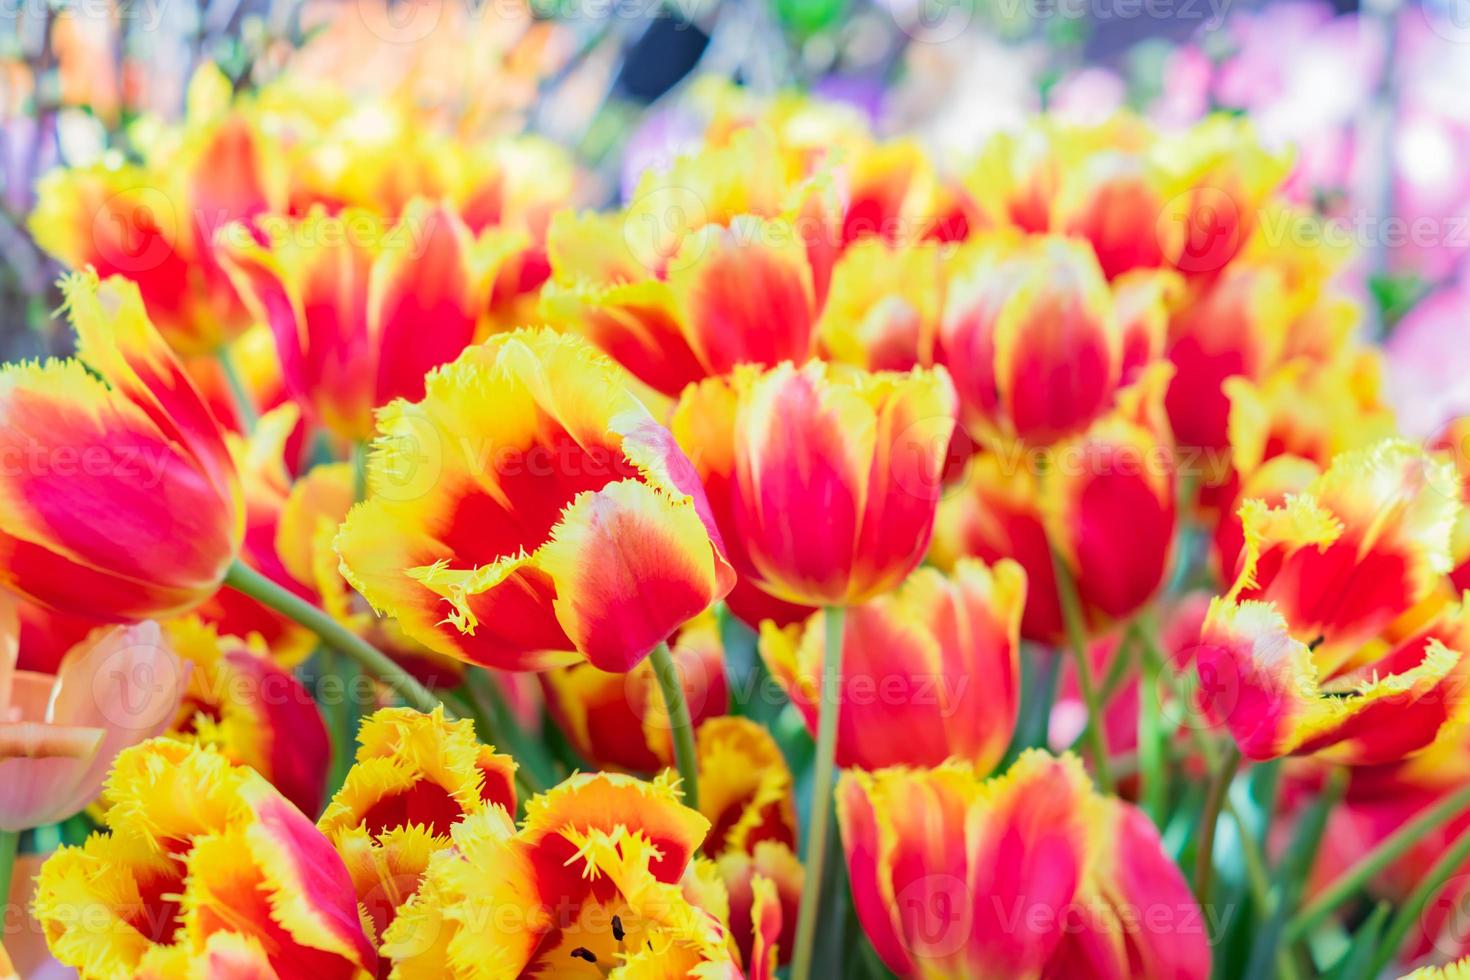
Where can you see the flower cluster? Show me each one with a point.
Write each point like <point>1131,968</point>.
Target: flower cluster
<point>1036,525</point>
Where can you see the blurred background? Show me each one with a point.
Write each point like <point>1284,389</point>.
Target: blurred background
<point>1373,99</point>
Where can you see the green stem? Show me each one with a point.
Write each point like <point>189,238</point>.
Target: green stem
<point>1152,750</point>
<point>9,848</point>
<point>1394,846</point>
<point>239,394</point>
<point>1086,684</point>
<point>249,582</point>
<point>822,778</point>
<point>359,471</point>
<point>1410,912</point>
<point>682,728</point>
<point>1204,856</point>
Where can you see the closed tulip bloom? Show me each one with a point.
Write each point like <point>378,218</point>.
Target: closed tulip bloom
<point>1104,500</point>
<point>1214,180</point>
<point>255,712</point>
<point>824,479</point>
<point>1031,337</point>
<point>936,660</point>
<point>61,731</point>
<point>1336,638</point>
<point>722,259</point>
<point>204,870</point>
<point>123,425</point>
<point>1109,503</point>
<point>1025,875</point>
<point>529,512</point>
<point>619,721</point>
<point>361,310</point>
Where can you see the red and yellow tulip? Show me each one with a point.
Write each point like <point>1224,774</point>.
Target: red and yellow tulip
<point>347,297</point>
<point>529,512</point>
<point>1104,500</point>
<point>852,459</point>
<point>204,870</point>
<point>936,660</point>
<point>155,223</point>
<point>723,259</point>
<point>415,777</point>
<point>619,721</point>
<point>589,885</point>
<point>1337,638</point>
<point>134,434</point>
<point>241,702</point>
<point>748,794</point>
<point>1028,874</point>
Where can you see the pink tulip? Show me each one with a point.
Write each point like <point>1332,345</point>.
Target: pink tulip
<point>60,733</point>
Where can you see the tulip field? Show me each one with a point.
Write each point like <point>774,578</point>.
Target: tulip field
<point>801,489</point>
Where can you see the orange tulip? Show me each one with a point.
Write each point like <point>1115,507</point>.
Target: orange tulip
<point>936,660</point>
<point>205,870</point>
<point>139,438</point>
<point>823,478</point>
<point>1029,874</point>
<point>60,734</point>
<point>501,507</point>
<point>1336,638</point>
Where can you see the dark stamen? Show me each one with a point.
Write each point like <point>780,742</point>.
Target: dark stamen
<point>583,953</point>
<point>618,929</point>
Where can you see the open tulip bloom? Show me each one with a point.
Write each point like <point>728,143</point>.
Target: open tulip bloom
<point>826,562</point>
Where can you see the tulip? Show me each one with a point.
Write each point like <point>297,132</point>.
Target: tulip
<point>619,721</point>
<point>1458,970</point>
<point>60,734</point>
<point>852,459</point>
<point>721,260</point>
<point>1104,500</point>
<point>154,224</point>
<point>589,883</point>
<point>749,797</point>
<point>1091,182</point>
<point>1214,180</point>
<point>254,712</point>
<point>1336,639</point>
<point>882,310</point>
<point>1028,874</point>
<point>937,660</point>
<point>347,298</point>
<point>204,870</point>
<point>7,969</point>
<point>1031,335</point>
<point>500,509</point>
<point>138,437</point>
<point>415,777</point>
